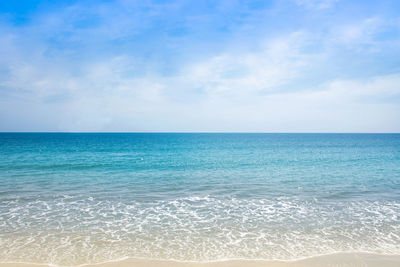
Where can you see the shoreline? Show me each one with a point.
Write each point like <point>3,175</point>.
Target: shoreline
<point>330,260</point>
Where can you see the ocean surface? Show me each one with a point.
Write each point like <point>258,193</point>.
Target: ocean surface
<point>77,198</point>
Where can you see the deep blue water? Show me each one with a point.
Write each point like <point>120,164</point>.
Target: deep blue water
<point>196,196</point>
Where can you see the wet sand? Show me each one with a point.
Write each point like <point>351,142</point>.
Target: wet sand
<point>334,260</point>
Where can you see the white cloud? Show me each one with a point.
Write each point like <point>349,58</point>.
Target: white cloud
<point>316,4</point>
<point>337,106</point>
<point>102,98</point>
<point>277,63</point>
<point>358,34</point>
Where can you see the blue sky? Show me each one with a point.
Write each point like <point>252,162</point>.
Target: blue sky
<point>247,66</point>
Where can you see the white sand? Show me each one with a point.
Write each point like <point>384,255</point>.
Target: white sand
<point>334,260</point>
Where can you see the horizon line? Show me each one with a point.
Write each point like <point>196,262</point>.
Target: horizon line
<point>192,132</point>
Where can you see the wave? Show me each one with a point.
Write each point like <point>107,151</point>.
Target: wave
<point>74,230</point>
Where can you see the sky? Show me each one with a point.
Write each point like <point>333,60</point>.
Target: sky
<point>200,66</point>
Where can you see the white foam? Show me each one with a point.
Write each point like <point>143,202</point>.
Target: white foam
<point>199,228</point>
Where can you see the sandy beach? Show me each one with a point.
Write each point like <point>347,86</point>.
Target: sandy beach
<point>334,260</point>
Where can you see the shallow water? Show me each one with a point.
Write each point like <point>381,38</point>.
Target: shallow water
<point>85,198</point>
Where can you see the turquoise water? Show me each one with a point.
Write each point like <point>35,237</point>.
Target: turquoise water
<point>72,199</point>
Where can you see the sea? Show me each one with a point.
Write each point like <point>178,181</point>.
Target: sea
<point>83,198</point>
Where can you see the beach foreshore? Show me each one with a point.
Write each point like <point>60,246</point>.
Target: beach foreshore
<point>333,260</point>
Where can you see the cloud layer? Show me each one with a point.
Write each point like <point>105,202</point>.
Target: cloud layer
<point>284,66</point>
